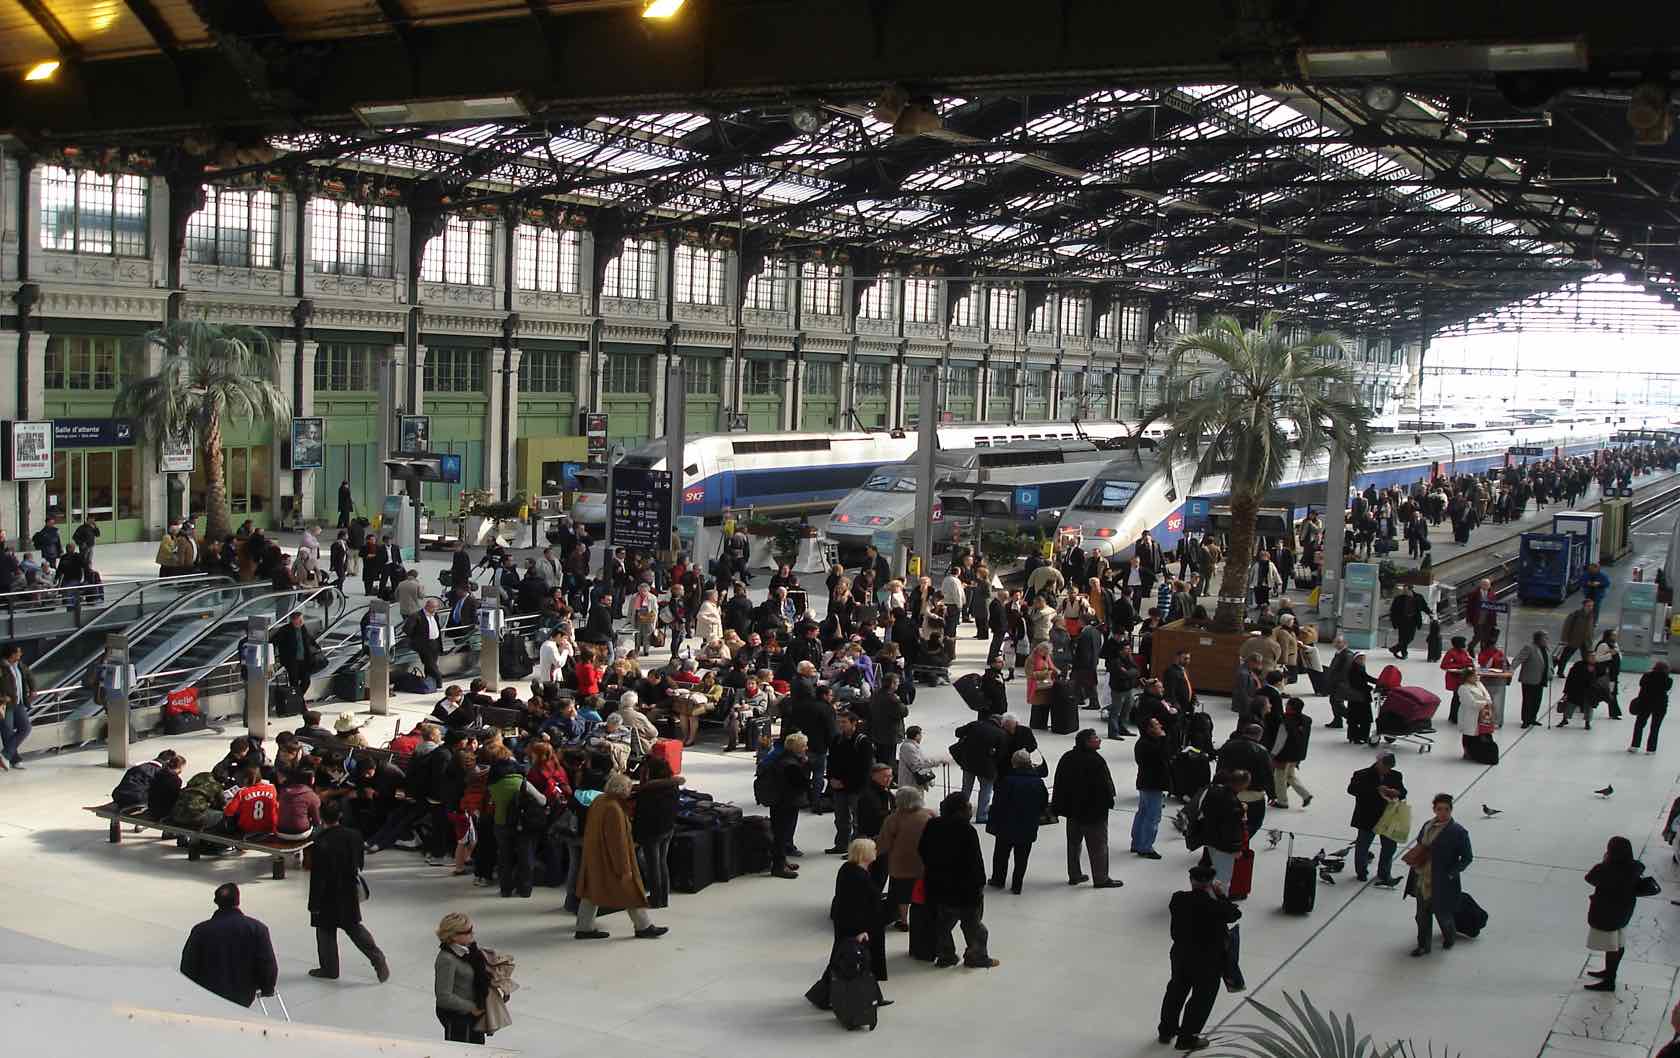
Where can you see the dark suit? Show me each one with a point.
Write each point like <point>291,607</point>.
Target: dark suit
<point>1201,932</point>
<point>335,898</point>
<point>346,506</point>
<point>295,647</point>
<point>230,954</point>
<point>420,637</point>
<point>391,571</point>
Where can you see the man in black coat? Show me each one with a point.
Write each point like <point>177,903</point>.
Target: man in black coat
<point>1176,682</point>
<point>296,649</point>
<point>981,744</point>
<point>1405,613</point>
<point>997,618</point>
<point>1087,652</point>
<point>335,896</point>
<point>814,717</point>
<point>340,560</point>
<point>425,635</point>
<point>1084,794</point>
<point>460,567</point>
<point>391,570</point>
<point>1201,929</point>
<point>1373,789</point>
<point>598,627</point>
<point>849,759</point>
<point>955,878</point>
<point>1243,751</point>
<point>230,953</point>
<point>346,504</point>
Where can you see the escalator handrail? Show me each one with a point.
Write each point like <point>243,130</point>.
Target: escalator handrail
<point>303,599</point>
<point>72,592</point>
<point>139,628</point>
<point>111,606</point>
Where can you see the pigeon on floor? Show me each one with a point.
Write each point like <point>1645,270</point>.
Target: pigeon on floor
<point>1272,838</point>
<point>1606,792</point>
<point>1491,812</point>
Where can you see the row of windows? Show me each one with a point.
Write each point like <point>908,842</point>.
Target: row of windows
<point>94,213</point>
<point>237,228</point>
<point>546,260</point>
<point>634,273</point>
<point>768,291</point>
<point>455,371</point>
<point>344,368</point>
<point>85,363</point>
<point>548,371</point>
<point>459,254</point>
<point>351,240</point>
<point>698,278</point>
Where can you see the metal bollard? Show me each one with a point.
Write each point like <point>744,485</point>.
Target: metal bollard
<point>490,637</point>
<point>379,644</point>
<point>258,658</point>
<point>115,679</point>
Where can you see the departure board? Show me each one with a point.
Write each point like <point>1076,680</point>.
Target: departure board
<point>641,508</point>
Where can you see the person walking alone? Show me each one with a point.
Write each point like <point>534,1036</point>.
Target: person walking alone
<point>1437,858</point>
<point>230,953</point>
<point>1618,880</point>
<point>1202,917</point>
<point>335,896</point>
<point>1533,665</point>
<point>1373,789</point>
<point>1650,705</point>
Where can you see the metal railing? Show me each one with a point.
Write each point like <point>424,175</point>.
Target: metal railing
<point>70,656</point>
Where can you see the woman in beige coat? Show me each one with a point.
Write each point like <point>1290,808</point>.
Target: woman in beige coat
<point>896,846</point>
<point>608,876</point>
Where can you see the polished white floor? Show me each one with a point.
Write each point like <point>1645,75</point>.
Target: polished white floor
<point>1082,970</point>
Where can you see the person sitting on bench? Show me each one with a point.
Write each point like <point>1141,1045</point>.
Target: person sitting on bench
<point>253,809</point>
<point>299,810</point>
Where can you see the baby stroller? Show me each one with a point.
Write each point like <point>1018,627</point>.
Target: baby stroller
<point>1405,714</point>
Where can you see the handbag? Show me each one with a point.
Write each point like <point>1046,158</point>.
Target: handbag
<point>1648,886</point>
<point>363,893</point>
<point>1416,857</point>
<point>1396,821</point>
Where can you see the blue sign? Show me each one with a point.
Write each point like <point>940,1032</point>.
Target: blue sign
<point>1026,501</point>
<point>1196,510</point>
<point>92,433</point>
<point>568,476</point>
<point>449,468</point>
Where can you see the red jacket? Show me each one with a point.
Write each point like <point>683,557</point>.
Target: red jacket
<point>1453,661</point>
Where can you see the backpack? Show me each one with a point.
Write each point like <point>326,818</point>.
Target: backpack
<point>529,817</point>
<point>1189,821</point>
<point>135,784</point>
<point>201,795</point>
<point>765,784</point>
<point>514,660</point>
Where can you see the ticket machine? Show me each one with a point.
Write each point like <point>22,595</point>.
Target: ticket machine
<point>1638,626</point>
<point>1361,592</point>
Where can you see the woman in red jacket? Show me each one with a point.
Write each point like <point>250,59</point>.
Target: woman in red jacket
<point>1454,663</point>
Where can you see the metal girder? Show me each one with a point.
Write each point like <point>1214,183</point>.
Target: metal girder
<point>253,44</point>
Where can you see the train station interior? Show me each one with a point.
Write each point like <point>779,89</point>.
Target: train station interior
<point>700,274</point>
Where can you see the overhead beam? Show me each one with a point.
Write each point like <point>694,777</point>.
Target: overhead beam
<point>68,49</point>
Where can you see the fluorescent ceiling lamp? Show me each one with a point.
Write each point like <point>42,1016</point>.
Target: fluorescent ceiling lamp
<point>1601,180</point>
<point>1430,58</point>
<point>1542,120</point>
<point>426,111</point>
<point>661,8</point>
<point>42,71</point>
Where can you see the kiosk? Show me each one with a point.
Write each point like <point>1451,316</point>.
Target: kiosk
<point>1360,592</point>
<point>1638,626</point>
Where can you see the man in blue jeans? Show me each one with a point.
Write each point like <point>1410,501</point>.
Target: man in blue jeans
<point>1154,756</point>
<point>1373,790</point>
<point>17,684</point>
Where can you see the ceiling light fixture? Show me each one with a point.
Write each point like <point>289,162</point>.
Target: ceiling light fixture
<point>661,8</point>
<point>1542,120</point>
<point>428,111</point>
<point>1599,180</point>
<point>1380,97</point>
<point>806,119</point>
<point>42,71</point>
<point>1435,58</point>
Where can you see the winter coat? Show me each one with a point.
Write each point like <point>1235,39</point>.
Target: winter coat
<point>1449,855</point>
<point>609,876</point>
<point>1252,757</point>
<point>1224,820</point>
<point>1154,762</point>
<point>856,907</point>
<point>1368,804</point>
<point>1018,802</point>
<point>979,745</point>
<point>897,843</point>
<point>954,872</point>
<point>231,955</point>
<point>335,890</point>
<point>1084,787</point>
<point>1615,888</point>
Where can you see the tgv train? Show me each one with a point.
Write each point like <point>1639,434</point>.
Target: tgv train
<point>886,501</point>
<point>1131,494</point>
<point>795,472</point>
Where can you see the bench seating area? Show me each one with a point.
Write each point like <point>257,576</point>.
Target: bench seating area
<point>278,850</point>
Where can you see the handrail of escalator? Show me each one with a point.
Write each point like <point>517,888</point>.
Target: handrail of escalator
<point>302,599</point>
<point>75,645</point>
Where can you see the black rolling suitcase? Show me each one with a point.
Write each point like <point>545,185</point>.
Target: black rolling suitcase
<point>691,860</point>
<point>349,684</point>
<point>1432,641</point>
<point>1470,919</point>
<point>285,700</point>
<point>752,845</point>
<point>1300,882</point>
<point>1064,709</point>
<point>1190,772</point>
<point>726,851</point>
<point>852,989</point>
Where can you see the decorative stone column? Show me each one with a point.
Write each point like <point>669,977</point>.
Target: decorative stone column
<point>306,363</point>
<point>493,411</point>
<point>511,479</point>
<point>285,364</point>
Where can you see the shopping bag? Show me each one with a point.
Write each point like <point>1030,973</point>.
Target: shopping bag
<point>1396,822</point>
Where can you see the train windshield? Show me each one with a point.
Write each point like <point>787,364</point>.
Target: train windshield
<point>1109,494</point>
<point>890,481</point>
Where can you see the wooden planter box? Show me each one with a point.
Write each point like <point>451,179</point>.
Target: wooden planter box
<point>1213,655</point>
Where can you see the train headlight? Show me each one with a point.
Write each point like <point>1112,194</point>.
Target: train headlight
<point>843,518</point>
<point>1105,532</point>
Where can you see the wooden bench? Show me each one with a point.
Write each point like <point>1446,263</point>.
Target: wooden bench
<point>278,850</point>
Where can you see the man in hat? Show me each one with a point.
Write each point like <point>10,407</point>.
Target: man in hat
<point>1201,930</point>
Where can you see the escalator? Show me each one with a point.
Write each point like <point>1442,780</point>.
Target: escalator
<point>137,607</point>
<point>151,643</point>
<point>219,643</point>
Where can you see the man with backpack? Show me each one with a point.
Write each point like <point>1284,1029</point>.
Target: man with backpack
<point>782,784</point>
<point>521,815</point>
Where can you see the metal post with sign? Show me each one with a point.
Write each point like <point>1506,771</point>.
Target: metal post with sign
<point>1332,589</point>
<point>380,643</point>
<point>116,680</point>
<point>676,426</point>
<point>257,659</point>
<point>490,626</point>
<point>927,442</point>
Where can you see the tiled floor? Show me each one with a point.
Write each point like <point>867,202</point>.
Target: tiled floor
<point>1082,970</point>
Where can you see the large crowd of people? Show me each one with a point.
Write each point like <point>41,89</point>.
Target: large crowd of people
<point>569,784</point>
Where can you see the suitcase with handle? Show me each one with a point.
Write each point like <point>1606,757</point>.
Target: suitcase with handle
<point>1242,875</point>
<point>691,860</point>
<point>923,939</point>
<point>670,749</point>
<point>1064,709</point>
<point>1300,882</point>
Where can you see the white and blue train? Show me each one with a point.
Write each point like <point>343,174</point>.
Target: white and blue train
<point>1135,493</point>
<point>792,473</point>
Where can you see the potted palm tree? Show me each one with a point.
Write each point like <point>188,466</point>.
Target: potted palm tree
<point>1234,397</point>
<point>211,373</point>
<point>1310,1033</point>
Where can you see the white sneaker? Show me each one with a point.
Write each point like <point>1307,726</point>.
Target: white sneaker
<point>433,861</point>
<point>407,843</point>
<point>480,882</point>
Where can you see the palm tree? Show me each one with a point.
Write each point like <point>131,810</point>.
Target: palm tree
<point>1234,397</point>
<point>1311,1034</point>
<point>211,372</point>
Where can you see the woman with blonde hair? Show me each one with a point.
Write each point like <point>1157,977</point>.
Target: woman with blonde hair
<point>857,913</point>
<point>608,876</point>
<point>460,979</point>
<point>1041,676</point>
